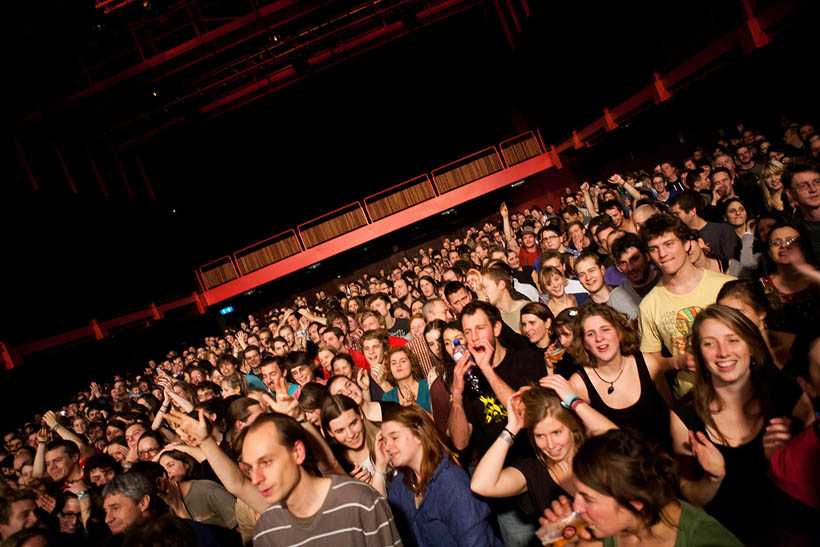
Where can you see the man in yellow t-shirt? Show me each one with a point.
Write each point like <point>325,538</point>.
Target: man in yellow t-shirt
<point>668,311</point>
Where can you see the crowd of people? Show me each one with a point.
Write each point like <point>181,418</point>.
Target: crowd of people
<point>642,357</point>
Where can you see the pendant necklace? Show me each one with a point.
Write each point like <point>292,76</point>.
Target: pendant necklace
<point>611,387</point>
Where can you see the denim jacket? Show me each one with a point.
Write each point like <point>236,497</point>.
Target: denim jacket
<point>448,515</point>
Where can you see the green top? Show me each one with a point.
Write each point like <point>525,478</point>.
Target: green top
<point>696,529</point>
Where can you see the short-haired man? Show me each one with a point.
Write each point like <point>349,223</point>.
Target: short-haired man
<point>436,308</point>
<point>340,510</point>
<point>496,283</point>
<point>723,188</point>
<point>61,461</point>
<point>375,344</point>
<point>251,361</point>
<point>632,259</point>
<point>335,338</point>
<point>380,303</point>
<point>478,419</point>
<point>668,311</point>
<point>720,238</point>
<point>590,273</point>
<point>17,512</point>
<point>271,371</point>
<point>801,179</point>
<point>615,210</point>
<point>745,161</point>
<point>528,251</point>
<point>127,501</point>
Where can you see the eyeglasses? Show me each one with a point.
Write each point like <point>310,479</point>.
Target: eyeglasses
<point>804,186</point>
<point>788,242</point>
<point>147,452</point>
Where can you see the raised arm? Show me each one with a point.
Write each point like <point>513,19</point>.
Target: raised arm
<point>490,478</point>
<point>458,427</point>
<point>512,244</point>
<point>595,422</point>
<point>631,190</point>
<point>195,433</point>
<point>50,419</point>
<point>592,207</point>
<point>39,468</point>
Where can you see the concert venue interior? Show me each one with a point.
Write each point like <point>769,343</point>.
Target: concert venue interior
<point>168,159</point>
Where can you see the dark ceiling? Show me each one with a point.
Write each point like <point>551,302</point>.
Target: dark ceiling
<point>227,172</point>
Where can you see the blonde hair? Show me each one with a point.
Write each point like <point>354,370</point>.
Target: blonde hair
<point>772,168</point>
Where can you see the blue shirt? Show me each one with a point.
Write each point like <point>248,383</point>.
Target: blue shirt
<point>423,397</point>
<point>448,515</point>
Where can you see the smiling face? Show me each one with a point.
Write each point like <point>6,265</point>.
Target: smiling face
<point>724,352</point>
<point>59,464</point>
<point>347,387</point>
<point>553,438</point>
<point>373,350</point>
<point>69,516</point>
<point>779,251</point>
<point>403,447</point>
<point>590,274</point>
<point>302,374</point>
<point>600,338</point>
<point>669,253</point>
<point>348,429</point>
<point>556,285</point>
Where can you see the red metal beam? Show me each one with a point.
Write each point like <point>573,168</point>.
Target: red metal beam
<point>65,169</point>
<point>24,161</point>
<point>379,228</point>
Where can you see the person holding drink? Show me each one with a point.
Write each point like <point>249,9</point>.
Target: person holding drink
<point>627,494</point>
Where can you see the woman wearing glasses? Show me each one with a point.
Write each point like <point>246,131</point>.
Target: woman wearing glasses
<point>793,287</point>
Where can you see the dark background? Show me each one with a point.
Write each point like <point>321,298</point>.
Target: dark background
<point>339,135</point>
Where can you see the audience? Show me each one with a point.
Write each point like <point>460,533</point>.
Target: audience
<point>599,349</point>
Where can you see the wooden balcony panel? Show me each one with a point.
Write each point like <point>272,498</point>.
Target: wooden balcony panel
<point>274,251</point>
<point>521,149</point>
<point>400,200</point>
<point>333,227</point>
<point>218,275</point>
<point>468,172</point>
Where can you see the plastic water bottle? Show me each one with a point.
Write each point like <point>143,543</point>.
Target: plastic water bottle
<point>473,379</point>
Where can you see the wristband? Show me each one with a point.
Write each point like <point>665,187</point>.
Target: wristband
<point>510,432</point>
<point>507,436</point>
<point>567,403</point>
<point>577,402</point>
<point>56,426</point>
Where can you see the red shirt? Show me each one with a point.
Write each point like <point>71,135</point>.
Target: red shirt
<point>794,468</point>
<point>528,258</point>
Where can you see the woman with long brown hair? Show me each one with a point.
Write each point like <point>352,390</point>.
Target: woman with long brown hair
<point>556,432</point>
<point>429,490</point>
<point>352,437</point>
<point>627,494</point>
<point>734,419</point>
<point>619,381</point>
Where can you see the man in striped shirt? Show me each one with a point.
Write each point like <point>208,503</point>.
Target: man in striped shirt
<point>307,509</point>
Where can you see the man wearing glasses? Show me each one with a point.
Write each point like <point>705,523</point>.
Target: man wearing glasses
<point>801,180</point>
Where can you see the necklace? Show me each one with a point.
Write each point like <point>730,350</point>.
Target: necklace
<point>611,387</point>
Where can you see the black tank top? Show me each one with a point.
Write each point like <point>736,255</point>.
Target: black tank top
<point>649,414</point>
